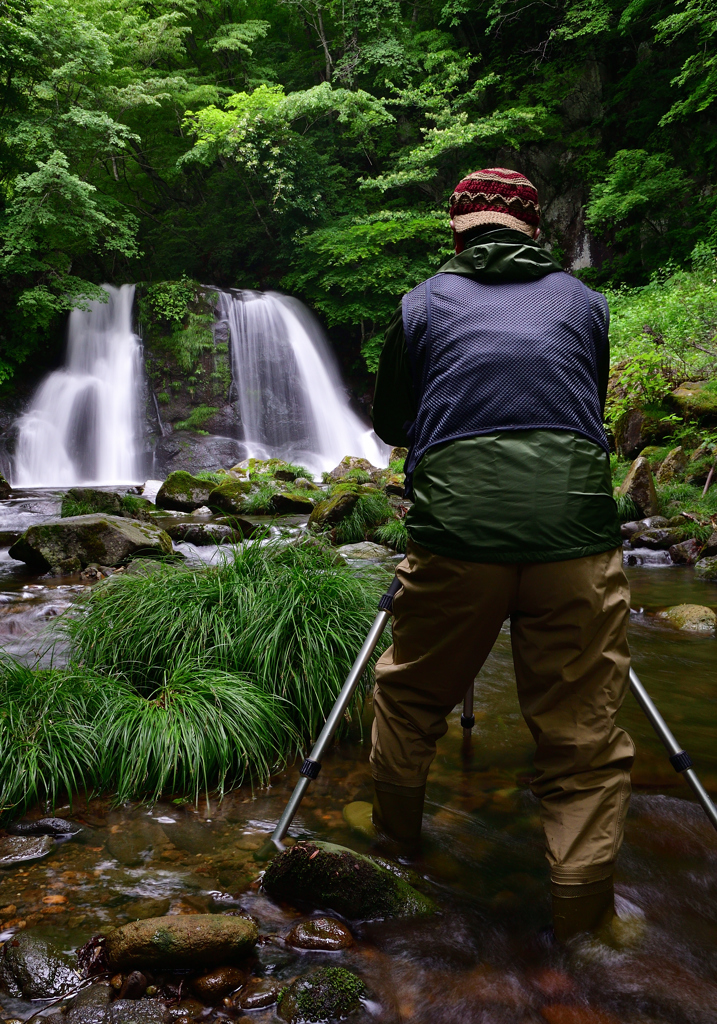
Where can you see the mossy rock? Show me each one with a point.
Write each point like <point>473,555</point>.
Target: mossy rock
<point>706,569</point>
<point>90,500</point>
<point>691,618</point>
<point>229,497</point>
<point>67,545</point>
<point>672,467</point>
<point>182,492</point>
<point>697,399</point>
<point>326,876</point>
<point>639,486</point>
<point>350,462</point>
<point>284,504</point>
<point>194,940</point>
<point>5,488</point>
<point>329,993</point>
<point>330,512</point>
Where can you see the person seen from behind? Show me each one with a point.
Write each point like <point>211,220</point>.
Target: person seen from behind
<point>494,375</point>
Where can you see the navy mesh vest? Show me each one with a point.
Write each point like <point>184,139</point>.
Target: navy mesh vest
<point>503,356</point>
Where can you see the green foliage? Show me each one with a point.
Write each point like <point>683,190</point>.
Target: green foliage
<point>197,418</point>
<point>626,508</point>
<point>681,497</point>
<point>369,512</point>
<point>72,507</point>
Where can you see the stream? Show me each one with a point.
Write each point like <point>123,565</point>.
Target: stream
<point>480,961</point>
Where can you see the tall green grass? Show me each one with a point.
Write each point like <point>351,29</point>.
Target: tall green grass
<point>393,534</point>
<point>369,511</point>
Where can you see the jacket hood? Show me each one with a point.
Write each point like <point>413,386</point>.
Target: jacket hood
<point>504,255</point>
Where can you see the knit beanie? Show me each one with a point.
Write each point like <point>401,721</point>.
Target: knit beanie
<point>495,195</point>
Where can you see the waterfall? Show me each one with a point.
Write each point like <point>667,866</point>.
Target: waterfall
<point>83,423</point>
<point>287,385</point>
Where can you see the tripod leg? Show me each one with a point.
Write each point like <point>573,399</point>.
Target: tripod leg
<point>679,758</point>
<point>468,719</point>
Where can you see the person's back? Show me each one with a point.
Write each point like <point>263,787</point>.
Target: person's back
<point>494,373</point>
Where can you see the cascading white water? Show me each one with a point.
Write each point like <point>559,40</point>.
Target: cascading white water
<point>83,424</point>
<point>290,397</point>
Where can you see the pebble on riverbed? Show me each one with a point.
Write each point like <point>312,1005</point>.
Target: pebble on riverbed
<point>320,933</point>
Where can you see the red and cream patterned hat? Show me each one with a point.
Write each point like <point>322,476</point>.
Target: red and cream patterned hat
<point>495,195</point>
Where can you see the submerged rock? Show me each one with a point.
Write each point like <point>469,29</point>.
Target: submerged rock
<point>16,849</point>
<point>182,492</point>
<point>330,993</point>
<point>323,875</point>
<point>33,968</point>
<point>366,549</point>
<point>320,933</point>
<point>44,827</point>
<point>706,569</point>
<point>193,940</point>
<point>691,618</point>
<point>67,545</point>
<point>639,485</point>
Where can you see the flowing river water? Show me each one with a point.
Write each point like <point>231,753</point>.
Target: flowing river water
<point>481,959</point>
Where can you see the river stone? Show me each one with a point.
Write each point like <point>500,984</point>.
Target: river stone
<point>686,552</point>
<point>706,569</point>
<point>710,547</point>
<point>230,497</point>
<point>192,940</point>
<point>5,488</point>
<point>182,492</point>
<point>366,549</point>
<point>348,463</point>
<point>320,933</point>
<point>283,504</point>
<point>257,994</point>
<point>330,993</point>
<point>16,849</point>
<point>202,534</point>
<point>658,540</point>
<point>33,968</point>
<point>639,485</point>
<point>691,618</point>
<point>140,910</point>
<point>323,875</point>
<point>108,502</point>
<point>103,539</point>
<point>213,986</point>
<point>136,841</point>
<point>330,512</point>
<point>91,1005</point>
<point>139,1011</point>
<point>44,827</point>
<point>673,467</point>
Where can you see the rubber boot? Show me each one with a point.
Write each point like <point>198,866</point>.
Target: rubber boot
<point>398,812</point>
<point>586,907</point>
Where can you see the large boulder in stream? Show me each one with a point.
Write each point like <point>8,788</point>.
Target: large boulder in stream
<point>68,545</point>
<point>194,940</point>
<point>33,968</point>
<point>182,492</point>
<point>332,877</point>
<point>330,512</point>
<point>229,497</point>
<point>691,618</point>
<point>639,485</point>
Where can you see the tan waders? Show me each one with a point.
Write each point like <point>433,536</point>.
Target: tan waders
<point>568,623</point>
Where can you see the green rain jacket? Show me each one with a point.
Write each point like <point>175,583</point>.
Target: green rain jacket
<point>511,496</point>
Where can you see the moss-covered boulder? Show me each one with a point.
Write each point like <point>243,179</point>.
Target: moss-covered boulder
<point>350,462</point>
<point>659,539</point>
<point>203,534</point>
<point>639,485</point>
<point>285,504</point>
<point>706,569</point>
<point>182,492</point>
<point>329,993</point>
<point>673,466</point>
<point>193,940</point>
<point>5,488</point>
<point>395,484</point>
<point>697,399</point>
<point>323,875</point>
<point>80,501</point>
<point>68,545</point>
<point>328,513</point>
<point>691,618</point>
<point>229,497</point>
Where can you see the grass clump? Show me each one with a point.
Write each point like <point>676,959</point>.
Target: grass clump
<point>393,534</point>
<point>627,510</point>
<point>197,418</point>
<point>72,507</point>
<point>681,497</point>
<point>369,512</point>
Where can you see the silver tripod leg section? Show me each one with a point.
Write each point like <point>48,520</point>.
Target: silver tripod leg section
<point>312,765</point>
<point>679,758</point>
<point>468,719</point>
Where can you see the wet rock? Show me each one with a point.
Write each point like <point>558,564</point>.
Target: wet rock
<point>256,994</point>
<point>8,537</point>
<point>240,526</point>
<point>142,1011</point>
<point>135,842</point>
<point>202,534</point>
<point>230,497</point>
<point>142,909</point>
<point>182,492</point>
<point>5,488</point>
<point>691,618</point>
<point>396,484</point>
<point>44,827</point>
<point>134,986</point>
<point>673,467</point>
<point>283,504</point>
<point>320,933</point>
<point>366,549</point>
<point>706,569</point>
<point>16,849</point>
<point>33,968</point>
<point>330,512</point>
<point>628,530</point>
<point>181,941</point>
<point>103,539</point>
<point>639,485</point>
<point>348,463</point>
<point>657,540</point>
<point>183,450</point>
<point>323,875</point>
<point>90,1006</point>
<point>93,500</point>
<point>213,986</point>
<point>330,993</point>
<point>687,552</point>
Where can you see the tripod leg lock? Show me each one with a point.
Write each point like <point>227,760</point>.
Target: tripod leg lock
<point>681,761</point>
<point>386,602</point>
<point>310,768</point>
<point>468,721</point>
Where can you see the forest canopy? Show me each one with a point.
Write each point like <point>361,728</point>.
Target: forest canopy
<point>311,145</point>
